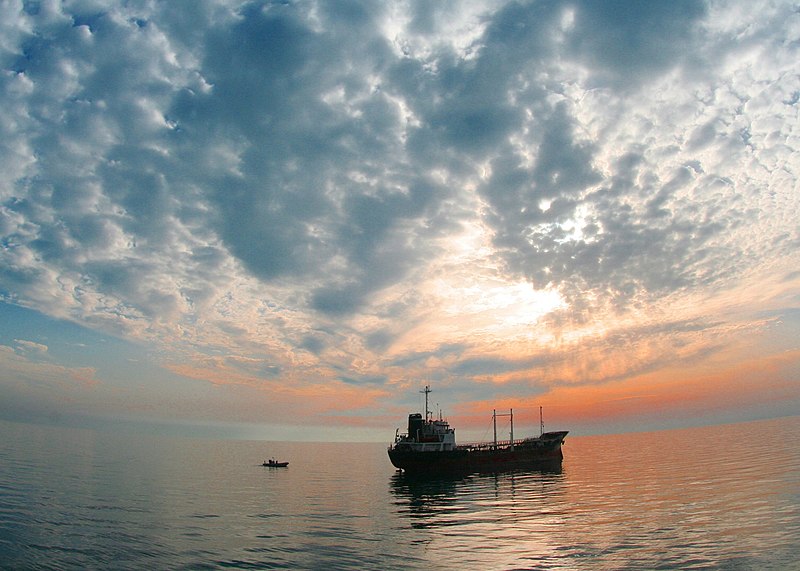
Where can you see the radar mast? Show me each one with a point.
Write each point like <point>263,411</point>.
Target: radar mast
<point>427,391</point>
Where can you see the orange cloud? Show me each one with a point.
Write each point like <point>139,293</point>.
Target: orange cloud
<point>282,397</point>
<point>756,381</point>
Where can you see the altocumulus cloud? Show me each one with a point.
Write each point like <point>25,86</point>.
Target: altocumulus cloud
<point>293,183</point>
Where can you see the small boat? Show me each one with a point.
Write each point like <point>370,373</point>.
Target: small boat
<point>272,463</point>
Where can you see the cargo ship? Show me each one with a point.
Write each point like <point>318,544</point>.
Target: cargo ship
<point>429,448</point>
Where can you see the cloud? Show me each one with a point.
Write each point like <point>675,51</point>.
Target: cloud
<point>628,42</point>
<point>340,191</point>
<point>30,346</point>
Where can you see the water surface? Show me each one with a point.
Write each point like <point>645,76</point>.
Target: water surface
<point>725,497</point>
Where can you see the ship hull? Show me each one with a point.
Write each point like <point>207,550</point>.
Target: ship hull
<point>534,453</point>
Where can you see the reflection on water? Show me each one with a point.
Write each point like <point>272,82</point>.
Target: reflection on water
<point>483,520</point>
<point>710,498</point>
<point>457,500</point>
<point>723,497</point>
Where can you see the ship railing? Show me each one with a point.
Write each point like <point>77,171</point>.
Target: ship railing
<point>491,445</point>
<point>427,446</point>
<point>432,446</point>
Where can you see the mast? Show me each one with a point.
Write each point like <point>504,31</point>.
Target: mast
<point>511,414</point>
<point>541,423</point>
<point>494,424</point>
<point>427,391</point>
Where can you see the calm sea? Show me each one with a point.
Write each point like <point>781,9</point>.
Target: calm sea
<point>725,497</point>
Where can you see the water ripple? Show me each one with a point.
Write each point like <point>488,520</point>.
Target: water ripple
<point>712,498</point>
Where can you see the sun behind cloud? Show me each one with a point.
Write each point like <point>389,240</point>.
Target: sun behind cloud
<point>291,206</point>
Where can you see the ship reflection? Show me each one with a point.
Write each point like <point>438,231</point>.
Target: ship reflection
<point>449,500</point>
<point>422,500</point>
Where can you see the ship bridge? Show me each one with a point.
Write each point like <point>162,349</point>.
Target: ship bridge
<point>426,434</point>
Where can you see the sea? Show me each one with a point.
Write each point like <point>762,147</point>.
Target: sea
<point>718,497</point>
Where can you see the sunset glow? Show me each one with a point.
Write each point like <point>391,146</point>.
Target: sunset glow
<point>297,215</point>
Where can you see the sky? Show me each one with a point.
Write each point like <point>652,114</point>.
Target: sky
<point>282,220</point>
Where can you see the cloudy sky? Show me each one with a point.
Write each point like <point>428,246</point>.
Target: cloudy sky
<point>291,216</point>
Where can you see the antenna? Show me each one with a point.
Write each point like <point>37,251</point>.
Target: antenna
<point>427,391</point>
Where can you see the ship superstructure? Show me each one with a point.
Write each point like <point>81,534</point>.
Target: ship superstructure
<point>427,434</point>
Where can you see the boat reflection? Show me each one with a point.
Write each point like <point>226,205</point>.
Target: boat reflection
<point>451,500</point>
